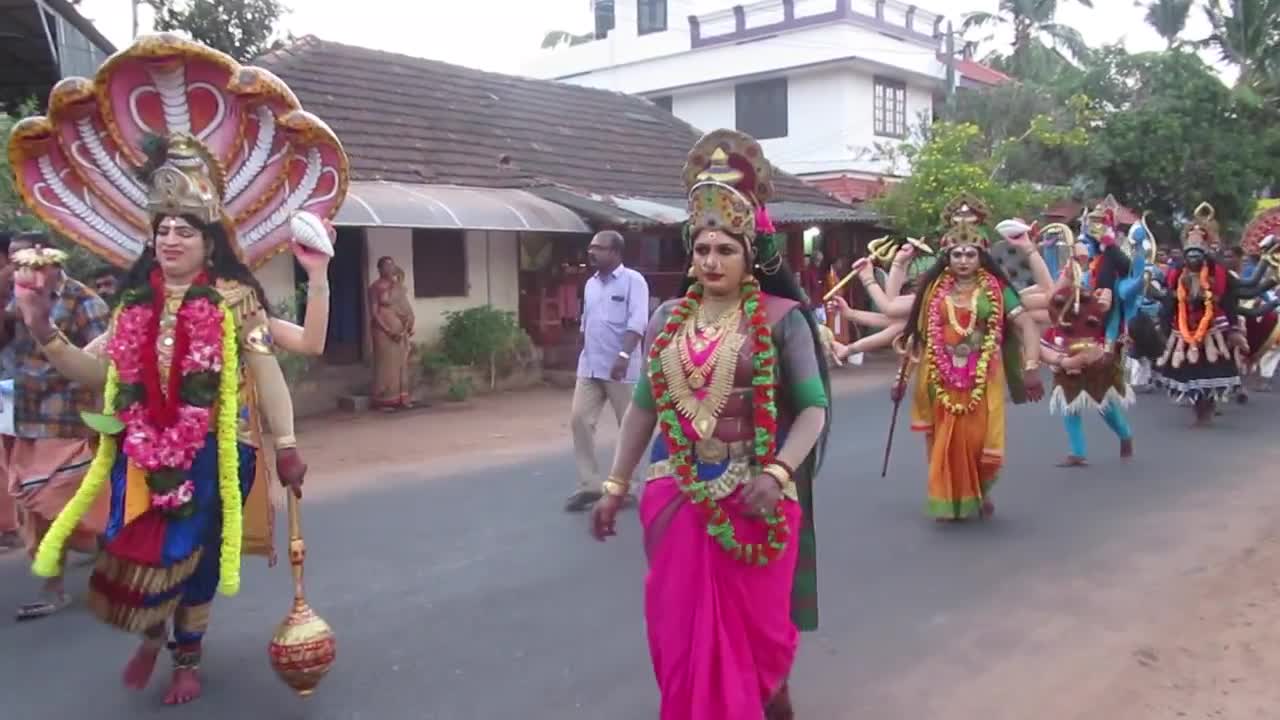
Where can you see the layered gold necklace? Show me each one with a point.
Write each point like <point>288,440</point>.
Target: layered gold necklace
<point>686,377</point>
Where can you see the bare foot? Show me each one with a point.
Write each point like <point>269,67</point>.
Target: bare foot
<point>138,672</point>
<point>1126,448</point>
<point>988,509</point>
<point>184,688</point>
<point>1072,461</point>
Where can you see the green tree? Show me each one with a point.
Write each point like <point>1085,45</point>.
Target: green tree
<point>243,29</point>
<point>1032,21</point>
<point>14,215</point>
<point>1246,33</point>
<point>1168,18</point>
<point>1171,135</point>
<point>951,160</point>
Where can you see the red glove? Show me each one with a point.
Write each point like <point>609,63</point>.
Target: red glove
<point>291,469</point>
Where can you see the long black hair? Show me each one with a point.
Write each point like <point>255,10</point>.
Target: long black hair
<point>782,283</point>
<point>925,282</point>
<point>223,263</point>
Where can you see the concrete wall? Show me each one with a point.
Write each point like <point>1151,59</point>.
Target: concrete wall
<point>830,123</point>
<point>492,274</point>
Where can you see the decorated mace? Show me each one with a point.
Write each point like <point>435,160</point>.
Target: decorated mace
<point>303,648</point>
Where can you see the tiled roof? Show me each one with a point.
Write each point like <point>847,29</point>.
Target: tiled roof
<point>851,189</point>
<point>977,72</point>
<point>411,120</point>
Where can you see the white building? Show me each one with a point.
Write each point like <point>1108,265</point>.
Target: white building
<point>819,82</point>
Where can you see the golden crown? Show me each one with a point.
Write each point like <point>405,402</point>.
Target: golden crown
<point>188,181</point>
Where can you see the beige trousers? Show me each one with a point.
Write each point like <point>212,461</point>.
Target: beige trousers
<point>589,396</point>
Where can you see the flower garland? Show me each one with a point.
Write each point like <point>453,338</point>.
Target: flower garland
<point>765,416</point>
<point>944,376</point>
<point>165,430</point>
<point>48,557</point>
<point>1206,320</point>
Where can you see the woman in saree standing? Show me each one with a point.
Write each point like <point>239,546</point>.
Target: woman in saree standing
<point>737,386</point>
<point>969,333</point>
<point>392,322</point>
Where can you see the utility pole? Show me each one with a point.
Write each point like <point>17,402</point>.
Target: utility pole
<point>133,4</point>
<point>951,62</point>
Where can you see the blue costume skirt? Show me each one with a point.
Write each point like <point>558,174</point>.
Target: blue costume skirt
<point>155,562</point>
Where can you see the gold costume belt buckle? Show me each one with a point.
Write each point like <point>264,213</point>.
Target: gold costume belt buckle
<point>711,450</point>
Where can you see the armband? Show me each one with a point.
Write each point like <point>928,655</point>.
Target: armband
<point>258,340</point>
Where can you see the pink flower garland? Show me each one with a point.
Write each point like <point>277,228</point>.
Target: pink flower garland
<point>171,448</point>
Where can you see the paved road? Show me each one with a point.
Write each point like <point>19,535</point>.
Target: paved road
<point>473,597</point>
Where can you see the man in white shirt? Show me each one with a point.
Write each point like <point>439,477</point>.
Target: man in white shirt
<point>615,312</point>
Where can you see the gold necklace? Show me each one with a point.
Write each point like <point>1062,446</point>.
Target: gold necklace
<point>952,320</point>
<point>700,339</point>
<point>722,365</point>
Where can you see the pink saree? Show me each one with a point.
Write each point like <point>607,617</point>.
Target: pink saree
<point>720,632</point>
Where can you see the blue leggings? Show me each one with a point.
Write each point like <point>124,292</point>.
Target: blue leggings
<point>1112,414</point>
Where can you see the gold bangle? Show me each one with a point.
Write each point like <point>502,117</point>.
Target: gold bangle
<point>777,472</point>
<point>615,487</point>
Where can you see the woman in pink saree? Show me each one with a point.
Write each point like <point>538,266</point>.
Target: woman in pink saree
<point>737,386</point>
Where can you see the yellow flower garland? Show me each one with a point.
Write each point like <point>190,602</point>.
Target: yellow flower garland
<point>48,562</point>
<point>229,457</point>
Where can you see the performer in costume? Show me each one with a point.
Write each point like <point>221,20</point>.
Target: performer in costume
<point>969,332</point>
<point>187,366</point>
<point>1091,303</point>
<point>737,386</point>
<point>1198,366</point>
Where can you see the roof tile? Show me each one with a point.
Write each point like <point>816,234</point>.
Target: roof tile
<point>412,120</point>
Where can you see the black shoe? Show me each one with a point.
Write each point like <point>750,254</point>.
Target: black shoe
<point>581,501</point>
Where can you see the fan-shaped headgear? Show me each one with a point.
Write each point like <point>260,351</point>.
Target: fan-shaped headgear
<point>1202,231</point>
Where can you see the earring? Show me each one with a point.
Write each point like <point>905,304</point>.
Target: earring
<point>692,272</point>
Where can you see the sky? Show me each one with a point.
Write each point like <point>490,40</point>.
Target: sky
<point>498,35</point>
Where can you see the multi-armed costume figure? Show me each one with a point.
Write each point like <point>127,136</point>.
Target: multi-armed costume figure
<point>1091,305</point>
<point>1198,366</point>
<point>1261,243</point>
<point>184,166</point>
<point>969,331</point>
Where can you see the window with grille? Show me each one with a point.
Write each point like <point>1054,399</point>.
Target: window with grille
<point>761,108</point>
<point>890,108</point>
<point>439,263</point>
<point>651,16</point>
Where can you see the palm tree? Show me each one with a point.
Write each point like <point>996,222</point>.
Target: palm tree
<point>1168,17</point>
<point>1246,33</point>
<point>1032,20</point>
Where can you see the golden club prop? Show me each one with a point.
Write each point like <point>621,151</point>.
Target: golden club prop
<point>882,251</point>
<point>303,648</point>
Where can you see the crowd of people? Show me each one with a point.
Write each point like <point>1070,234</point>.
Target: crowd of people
<point>138,407</point>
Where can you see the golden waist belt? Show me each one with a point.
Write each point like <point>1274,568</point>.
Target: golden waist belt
<point>741,457</point>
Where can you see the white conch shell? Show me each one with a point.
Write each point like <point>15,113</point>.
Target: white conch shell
<point>1012,228</point>
<point>309,230</point>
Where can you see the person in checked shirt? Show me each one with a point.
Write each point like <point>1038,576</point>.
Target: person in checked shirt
<point>48,454</point>
<point>615,313</point>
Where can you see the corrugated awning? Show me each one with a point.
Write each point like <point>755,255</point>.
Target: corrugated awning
<point>388,204</point>
<point>639,212</point>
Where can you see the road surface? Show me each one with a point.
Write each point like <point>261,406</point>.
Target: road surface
<point>471,596</point>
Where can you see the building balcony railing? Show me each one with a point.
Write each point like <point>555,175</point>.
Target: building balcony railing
<point>770,17</point>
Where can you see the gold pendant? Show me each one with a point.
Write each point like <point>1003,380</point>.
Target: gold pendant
<point>704,424</point>
<point>697,381</point>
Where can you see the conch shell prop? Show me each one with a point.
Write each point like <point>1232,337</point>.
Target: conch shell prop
<point>76,168</point>
<point>310,231</point>
<point>303,648</point>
